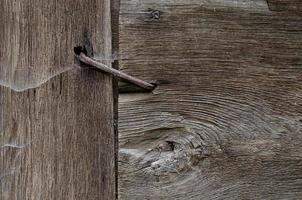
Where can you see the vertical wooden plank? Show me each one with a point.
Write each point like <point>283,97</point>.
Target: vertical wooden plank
<point>56,129</point>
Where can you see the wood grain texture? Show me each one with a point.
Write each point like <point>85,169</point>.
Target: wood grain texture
<point>56,140</point>
<point>225,121</point>
<point>38,38</point>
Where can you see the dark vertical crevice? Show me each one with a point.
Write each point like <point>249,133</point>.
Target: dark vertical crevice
<point>115,9</point>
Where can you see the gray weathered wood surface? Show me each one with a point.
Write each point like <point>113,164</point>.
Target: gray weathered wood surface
<point>225,121</point>
<point>56,139</point>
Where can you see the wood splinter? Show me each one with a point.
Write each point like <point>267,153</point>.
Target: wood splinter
<point>81,55</point>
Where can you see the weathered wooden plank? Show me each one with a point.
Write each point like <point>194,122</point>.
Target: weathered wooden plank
<point>38,38</point>
<point>225,121</point>
<point>56,139</point>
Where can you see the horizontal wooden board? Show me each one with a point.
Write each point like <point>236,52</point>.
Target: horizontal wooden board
<point>225,121</point>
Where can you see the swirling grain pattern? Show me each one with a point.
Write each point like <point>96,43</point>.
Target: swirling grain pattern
<point>225,121</point>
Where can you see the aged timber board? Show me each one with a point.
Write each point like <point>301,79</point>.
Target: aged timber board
<point>225,121</point>
<point>56,121</point>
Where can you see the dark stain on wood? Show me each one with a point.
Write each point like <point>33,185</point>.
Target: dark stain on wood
<point>285,5</point>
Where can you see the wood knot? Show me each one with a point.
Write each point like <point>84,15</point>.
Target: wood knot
<point>174,155</point>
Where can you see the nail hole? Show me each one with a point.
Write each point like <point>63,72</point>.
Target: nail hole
<point>79,49</point>
<point>154,14</point>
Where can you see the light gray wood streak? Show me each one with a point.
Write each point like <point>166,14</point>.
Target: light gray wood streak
<point>225,121</point>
